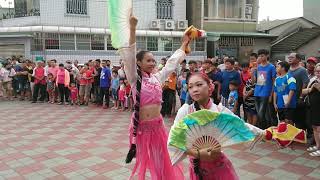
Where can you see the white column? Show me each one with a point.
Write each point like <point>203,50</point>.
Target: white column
<point>210,8</point>
<point>202,13</point>
<point>75,42</point>
<point>243,9</point>
<point>27,48</point>
<point>105,42</point>
<point>216,6</point>
<point>225,8</point>
<point>255,9</point>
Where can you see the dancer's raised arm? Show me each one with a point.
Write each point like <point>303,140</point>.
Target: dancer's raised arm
<point>174,61</point>
<point>128,54</point>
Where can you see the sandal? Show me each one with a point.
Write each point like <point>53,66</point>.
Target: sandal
<point>312,149</point>
<point>315,154</point>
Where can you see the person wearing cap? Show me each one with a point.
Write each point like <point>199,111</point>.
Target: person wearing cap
<point>311,63</point>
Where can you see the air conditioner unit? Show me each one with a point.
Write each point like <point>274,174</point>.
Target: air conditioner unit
<point>248,9</point>
<point>155,24</point>
<point>169,25</point>
<point>182,24</point>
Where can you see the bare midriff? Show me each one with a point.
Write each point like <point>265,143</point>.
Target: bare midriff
<point>149,112</point>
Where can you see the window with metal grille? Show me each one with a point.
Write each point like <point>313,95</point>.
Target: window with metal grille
<point>37,42</point>
<point>79,7</point>
<point>67,42</point>
<point>152,43</point>
<point>166,44</point>
<point>164,9</point>
<point>141,43</point>
<point>246,41</point>
<point>200,44</point>
<point>229,42</point>
<point>83,42</point>
<point>52,41</point>
<point>176,43</point>
<point>97,42</point>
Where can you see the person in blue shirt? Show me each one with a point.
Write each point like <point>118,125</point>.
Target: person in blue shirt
<point>265,76</point>
<point>233,96</point>
<point>105,83</point>
<point>228,75</point>
<point>184,87</point>
<point>115,84</point>
<point>284,93</point>
<point>215,76</point>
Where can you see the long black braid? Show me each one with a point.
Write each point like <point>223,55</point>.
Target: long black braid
<point>196,161</point>
<point>133,148</point>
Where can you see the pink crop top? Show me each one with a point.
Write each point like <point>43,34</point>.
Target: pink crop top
<point>151,90</point>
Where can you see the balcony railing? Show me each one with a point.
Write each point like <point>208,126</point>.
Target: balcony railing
<point>14,14</point>
<point>229,19</point>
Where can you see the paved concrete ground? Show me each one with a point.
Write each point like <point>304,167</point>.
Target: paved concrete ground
<point>42,141</point>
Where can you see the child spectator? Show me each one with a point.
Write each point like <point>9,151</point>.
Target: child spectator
<point>7,73</point>
<point>122,93</point>
<point>51,88</point>
<point>233,96</point>
<point>284,93</point>
<point>114,88</point>
<point>128,96</point>
<point>73,93</point>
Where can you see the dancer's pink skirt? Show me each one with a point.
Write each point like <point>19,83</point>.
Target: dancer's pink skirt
<point>152,153</point>
<point>220,169</point>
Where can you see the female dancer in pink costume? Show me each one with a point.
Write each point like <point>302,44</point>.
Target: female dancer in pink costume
<point>148,136</point>
<point>205,163</point>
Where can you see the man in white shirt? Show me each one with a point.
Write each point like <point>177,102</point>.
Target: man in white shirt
<point>121,72</point>
<point>222,67</point>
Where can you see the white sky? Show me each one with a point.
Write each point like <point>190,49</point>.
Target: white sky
<point>5,3</point>
<point>280,9</point>
<point>275,9</point>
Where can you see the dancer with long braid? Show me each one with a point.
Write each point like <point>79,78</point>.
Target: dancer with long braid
<point>148,136</point>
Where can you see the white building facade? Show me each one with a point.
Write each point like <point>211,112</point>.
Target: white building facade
<point>78,29</point>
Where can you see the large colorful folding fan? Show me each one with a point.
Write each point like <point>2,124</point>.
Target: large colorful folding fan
<point>203,129</point>
<point>118,15</point>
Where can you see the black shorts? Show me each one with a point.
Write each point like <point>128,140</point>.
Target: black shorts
<point>24,85</point>
<point>286,113</point>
